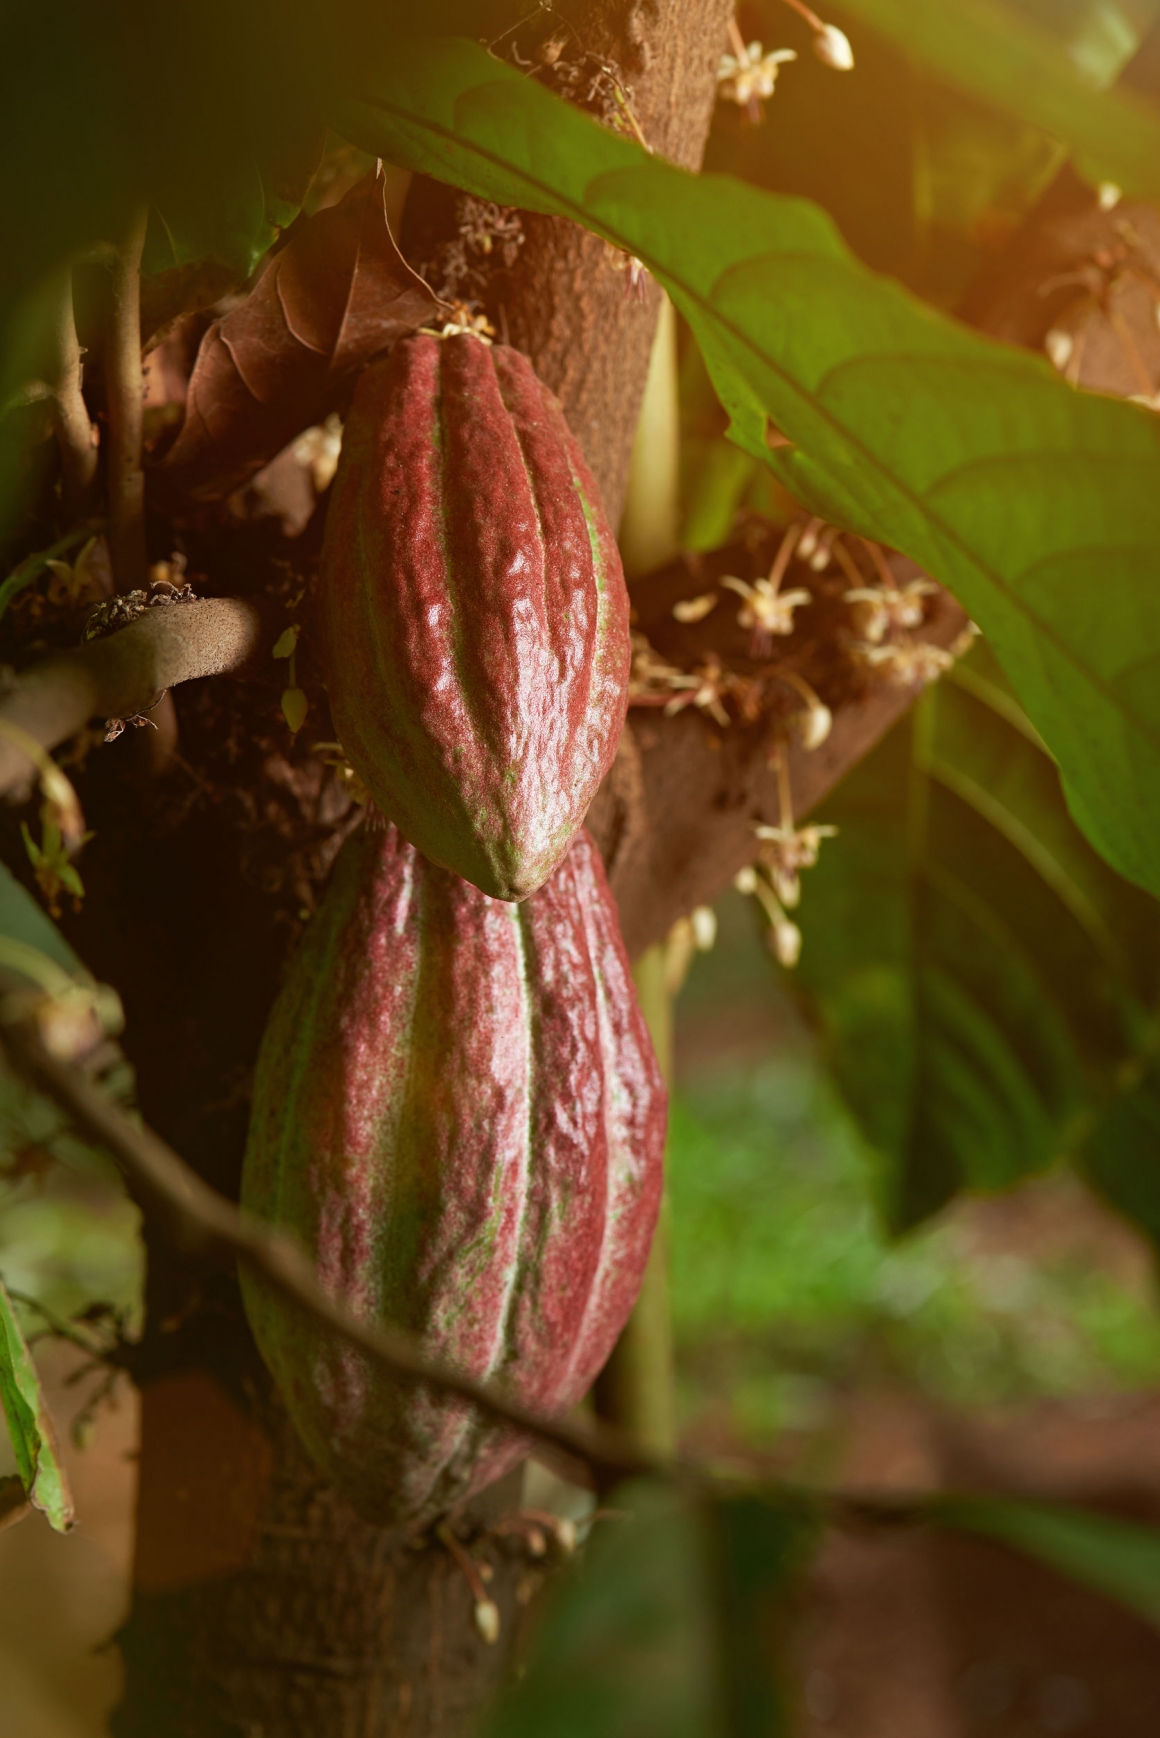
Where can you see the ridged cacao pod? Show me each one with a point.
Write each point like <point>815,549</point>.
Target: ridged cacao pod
<point>457,1109</point>
<point>475,631</point>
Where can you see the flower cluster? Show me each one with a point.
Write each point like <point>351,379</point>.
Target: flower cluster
<point>906,663</point>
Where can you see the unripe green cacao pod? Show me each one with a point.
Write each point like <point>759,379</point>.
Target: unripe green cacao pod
<point>458,1111</point>
<point>475,633</point>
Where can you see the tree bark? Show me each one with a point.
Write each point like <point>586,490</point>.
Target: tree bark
<point>262,1604</point>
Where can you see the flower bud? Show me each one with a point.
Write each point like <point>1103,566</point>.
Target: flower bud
<point>832,47</point>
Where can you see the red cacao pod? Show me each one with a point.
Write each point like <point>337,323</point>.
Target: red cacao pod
<point>475,631</point>
<point>457,1109</point>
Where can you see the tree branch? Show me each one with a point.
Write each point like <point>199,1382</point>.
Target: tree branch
<point>207,1218</point>
<point>122,674</point>
<point>75,435</point>
<point>126,403</point>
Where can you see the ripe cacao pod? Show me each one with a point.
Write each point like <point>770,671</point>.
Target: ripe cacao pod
<point>458,1111</point>
<point>474,616</point>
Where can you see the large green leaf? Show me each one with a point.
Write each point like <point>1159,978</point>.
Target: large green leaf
<point>1036,505</point>
<point>989,50</point>
<point>1117,1558</point>
<point>30,1424</point>
<point>980,976</point>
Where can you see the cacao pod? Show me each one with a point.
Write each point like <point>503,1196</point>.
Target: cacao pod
<point>458,1111</point>
<point>474,616</point>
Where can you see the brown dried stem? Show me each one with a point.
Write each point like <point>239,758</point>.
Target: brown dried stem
<point>126,403</point>
<point>205,1218</point>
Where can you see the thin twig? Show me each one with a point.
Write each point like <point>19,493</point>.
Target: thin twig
<point>209,1219</point>
<point>60,1329</point>
<point>75,435</point>
<point>122,674</point>
<point>807,12</point>
<point>126,395</point>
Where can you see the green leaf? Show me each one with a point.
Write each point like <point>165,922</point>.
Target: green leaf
<point>234,215</point>
<point>760,1542</point>
<point>228,224</point>
<point>22,920</point>
<point>221,156</point>
<point>30,1425</point>
<point>990,51</point>
<point>626,1648</point>
<point>717,476</point>
<point>1036,505</point>
<point>979,976</point>
<point>666,1627</point>
<point>1121,1154</point>
<point>1118,1558</point>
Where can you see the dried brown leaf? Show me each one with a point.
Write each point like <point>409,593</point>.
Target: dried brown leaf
<point>335,296</point>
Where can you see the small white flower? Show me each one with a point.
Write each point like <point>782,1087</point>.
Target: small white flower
<point>636,273</point>
<point>703,690</point>
<point>749,76</point>
<point>878,608</point>
<point>786,852</point>
<point>765,610</point>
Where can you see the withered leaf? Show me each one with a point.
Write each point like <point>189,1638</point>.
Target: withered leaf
<point>336,295</point>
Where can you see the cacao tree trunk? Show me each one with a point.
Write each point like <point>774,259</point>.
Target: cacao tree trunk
<point>262,1605</point>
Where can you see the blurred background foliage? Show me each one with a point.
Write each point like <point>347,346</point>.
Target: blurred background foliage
<point>788,1292</point>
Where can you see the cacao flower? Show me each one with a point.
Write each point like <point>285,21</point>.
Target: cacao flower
<point>474,615</point>
<point>458,1111</point>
